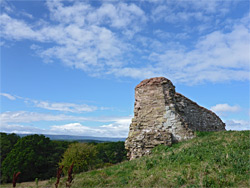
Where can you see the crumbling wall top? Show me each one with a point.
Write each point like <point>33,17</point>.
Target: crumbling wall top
<point>153,81</point>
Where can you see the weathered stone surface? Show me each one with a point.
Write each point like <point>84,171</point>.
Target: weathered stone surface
<point>162,116</point>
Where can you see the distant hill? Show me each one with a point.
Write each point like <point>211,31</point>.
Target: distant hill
<point>80,138</point>
<point>213,159</point>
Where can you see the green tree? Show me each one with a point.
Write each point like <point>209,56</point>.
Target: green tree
<point>7,142</point>
<point>111,152</point>
<point>83,156</point>
<point>35,156</point>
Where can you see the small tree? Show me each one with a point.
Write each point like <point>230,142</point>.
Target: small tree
<point>82,155</point>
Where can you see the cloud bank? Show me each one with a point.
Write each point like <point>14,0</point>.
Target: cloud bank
<point>112,126</point>
<point>117,39</point>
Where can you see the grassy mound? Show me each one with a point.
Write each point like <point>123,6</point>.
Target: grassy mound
<point>218,159</point>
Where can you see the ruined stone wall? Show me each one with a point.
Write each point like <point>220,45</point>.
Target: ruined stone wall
<point>146,129</point>
<point>198,117</point>
<point>162,116</point>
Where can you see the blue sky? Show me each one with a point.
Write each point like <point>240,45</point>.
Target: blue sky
<point>70,67</point>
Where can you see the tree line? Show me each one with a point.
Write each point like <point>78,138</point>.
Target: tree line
<point>36,156</point>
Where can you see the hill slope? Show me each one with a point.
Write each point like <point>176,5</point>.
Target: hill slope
<point>218,159</point>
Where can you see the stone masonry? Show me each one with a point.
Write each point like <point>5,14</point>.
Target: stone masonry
<point>162,116</point>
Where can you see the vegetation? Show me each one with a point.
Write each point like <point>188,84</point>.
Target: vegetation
<point>214,159</point>
<point>38,158</point>
<point>111,152</point>
<point>58,175</point>
<point>87,156</point>
<point>31,184</point>
<point>35,156</point>
<point>7,142</point>
<point>82,155</point>
<point>218,159</point>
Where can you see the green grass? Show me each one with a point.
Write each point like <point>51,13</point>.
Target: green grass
<point>219,159</point>
<point>32,184</point>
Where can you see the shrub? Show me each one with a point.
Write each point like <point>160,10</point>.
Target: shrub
<point>82,155</point>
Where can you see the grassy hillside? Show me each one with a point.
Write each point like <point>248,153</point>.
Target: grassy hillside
<point>219,159</point>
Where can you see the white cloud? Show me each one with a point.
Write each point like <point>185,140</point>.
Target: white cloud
<point>116,14</point>
<point>225,109</point>
<point>209,7</point>
<point>27,117</point>
<point>186,11</point>
<point>170,15</point>
<point>75,129</point>
<point>115,127</point>
<point>118,128</point>
<point>216,57</point>
<point>167,35</point>
<point>57,106</point>
<point>11,97</point>
<point>237,125</point>
<point>21,129</point>
<point>220,108</point>
<point>92,50</point>
<point>68,14</point>
<point>17,29</point>
<point>121,15</point>
<point>6,6</point>
<point>100,40</point>
<point>79,40</point>
<point>65,107</point>
<point>12,122</point>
